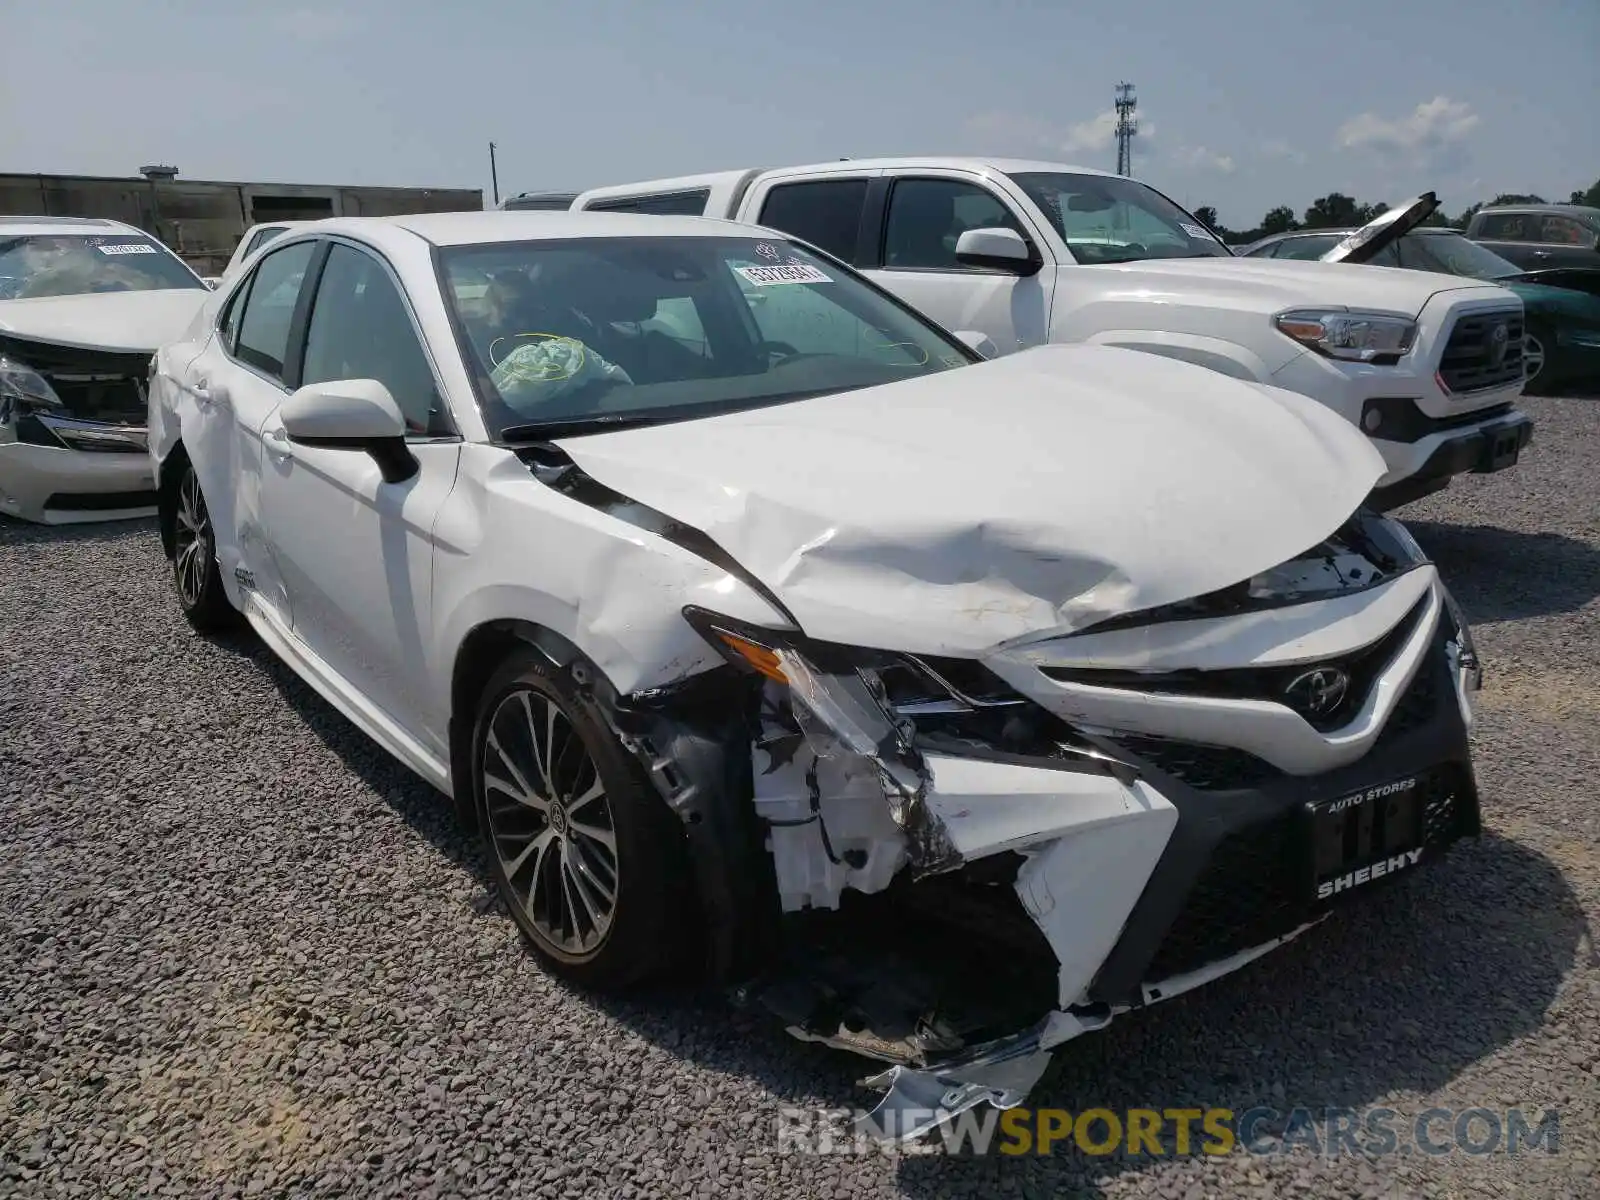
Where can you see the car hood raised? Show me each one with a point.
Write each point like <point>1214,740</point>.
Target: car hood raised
<point>1269,286</point>
<point>128,322</point>
<point>1031,495</point>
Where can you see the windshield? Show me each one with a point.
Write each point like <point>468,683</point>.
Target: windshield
<point>75,265</point>
<point>1453,254</point>
<point>585,332</point>
<point>1110,219</point>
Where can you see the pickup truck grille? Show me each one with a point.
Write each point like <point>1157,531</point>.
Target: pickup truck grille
<point>1479,355</point>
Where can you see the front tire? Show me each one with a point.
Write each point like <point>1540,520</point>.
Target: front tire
<point>194,559</point>
<point>590,862</point>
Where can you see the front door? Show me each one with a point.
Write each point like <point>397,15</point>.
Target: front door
<point>925,216</point>
<point>357,552</point>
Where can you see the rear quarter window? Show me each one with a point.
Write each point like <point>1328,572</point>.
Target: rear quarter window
<point>825,212</point>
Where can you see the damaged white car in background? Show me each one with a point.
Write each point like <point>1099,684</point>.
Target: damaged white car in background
<point>83,305</point>
<point>946,708</point>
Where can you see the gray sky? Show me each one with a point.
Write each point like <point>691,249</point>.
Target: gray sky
<point>1245,104</point>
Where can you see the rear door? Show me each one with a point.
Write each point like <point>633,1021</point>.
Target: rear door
<point>236,384</point>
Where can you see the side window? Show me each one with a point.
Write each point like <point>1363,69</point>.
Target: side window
<point>360,329</point>
<point>671,204</point>
<point>1387,257</point>
<point>263,335</point>
<point>826,213</point>
<point>1307,248</point>
<point>927,216</point>
<point>1565,230</point>
<point>262,237</point>
<point>228,322</point>
<point>1507,227</point>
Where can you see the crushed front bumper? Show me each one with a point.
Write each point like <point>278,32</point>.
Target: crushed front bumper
<point>1169,864</point>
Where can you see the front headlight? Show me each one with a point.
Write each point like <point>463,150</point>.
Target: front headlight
<point>1349,336</point>
<point>22,389</point>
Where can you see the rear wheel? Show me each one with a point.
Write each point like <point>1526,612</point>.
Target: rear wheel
<point>588,859</point>
<point>194,559</point>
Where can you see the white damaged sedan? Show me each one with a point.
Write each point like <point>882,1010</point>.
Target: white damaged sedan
<point>754,620</point>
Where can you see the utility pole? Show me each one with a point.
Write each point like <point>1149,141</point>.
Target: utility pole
<point>494,176</point>
<point>1127,127</point>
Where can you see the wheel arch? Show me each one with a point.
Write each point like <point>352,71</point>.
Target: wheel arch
<point>692,742</point>
<point>168,476</point>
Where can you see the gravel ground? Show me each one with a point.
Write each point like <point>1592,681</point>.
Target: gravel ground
<point>243,953</point>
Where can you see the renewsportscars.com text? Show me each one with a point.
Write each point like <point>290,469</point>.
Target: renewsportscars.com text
<point>1178,1132</point>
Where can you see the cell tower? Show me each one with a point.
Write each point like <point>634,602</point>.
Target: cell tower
<point>1127,127</point>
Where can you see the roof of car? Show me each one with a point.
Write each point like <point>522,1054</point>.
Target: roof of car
<point>1558,210</point>
<point>58,225</point>
<point>526,225</point>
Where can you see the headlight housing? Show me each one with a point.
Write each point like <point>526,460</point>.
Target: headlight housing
<point>1350,336</point>
<point>22,390</point>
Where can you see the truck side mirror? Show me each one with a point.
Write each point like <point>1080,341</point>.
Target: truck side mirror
<point>997,250</point>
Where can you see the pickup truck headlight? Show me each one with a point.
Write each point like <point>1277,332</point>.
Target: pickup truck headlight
<point>1350,336</point>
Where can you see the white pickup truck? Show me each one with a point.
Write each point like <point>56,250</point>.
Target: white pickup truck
<point>1429,366</point>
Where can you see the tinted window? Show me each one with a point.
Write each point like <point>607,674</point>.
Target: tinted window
<point>1308,247</point>
<point>228,322</point>
<point>826,213</point>
<point>79,264</point>
<point>360,329</point>
<point>671,204</point>
<point>655,328</point>
<point>1567,230</point>
<point>1452,254</point>
<point>927,216</point>
<point>263,339</point>
<point>1510,227</point>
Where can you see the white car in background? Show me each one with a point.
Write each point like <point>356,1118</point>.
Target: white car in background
<point>717,587</point>
<point>83,305</point>
<point>254,238</point>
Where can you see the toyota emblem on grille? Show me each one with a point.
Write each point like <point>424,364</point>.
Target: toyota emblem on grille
<point>1317,692</point>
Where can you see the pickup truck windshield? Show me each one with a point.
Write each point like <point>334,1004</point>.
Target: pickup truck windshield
<point>74,265</point>
<point>1110,219</point>
<point>568,335</point>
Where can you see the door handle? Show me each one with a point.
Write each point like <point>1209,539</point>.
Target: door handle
<point>207,396</point>
<point>278,444</point>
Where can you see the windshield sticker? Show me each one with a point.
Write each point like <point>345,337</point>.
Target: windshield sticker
<point>127,248</point>
<point>768,250</point>
<point>1197,231</point>
<point>764,276</point>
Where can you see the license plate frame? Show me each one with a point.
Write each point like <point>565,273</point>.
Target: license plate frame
<point>1362,836</point>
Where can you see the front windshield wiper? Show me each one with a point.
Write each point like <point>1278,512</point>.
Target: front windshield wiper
<point>542,431</point>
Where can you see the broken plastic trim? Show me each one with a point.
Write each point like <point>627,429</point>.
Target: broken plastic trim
<point>1002,1073</point>
<point>841,709</point>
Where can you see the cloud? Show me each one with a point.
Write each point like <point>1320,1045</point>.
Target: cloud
<point>1092,136</point>
<point>1428,131</point>
<point>1200,158</point>
<point>315,25</point>
<point>1275,148</point>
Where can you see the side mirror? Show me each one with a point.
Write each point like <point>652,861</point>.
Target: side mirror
<point>978,341</point>
<point>351,414</point>
<point>997,249</point>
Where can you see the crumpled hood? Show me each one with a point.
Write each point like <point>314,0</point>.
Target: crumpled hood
<point>1035,493</point>
<point>130,322</point>
<point>1269,286</point>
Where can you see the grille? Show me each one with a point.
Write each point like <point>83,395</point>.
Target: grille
<point>1475,358</point>
<point>1205,768</point>
<point>1256,884</point>
<point>112,400</point>
<point>1262,683</point>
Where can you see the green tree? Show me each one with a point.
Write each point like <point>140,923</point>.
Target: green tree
<point>1278,220</point>
<point>1208,217</point>
<point>1333,211</point>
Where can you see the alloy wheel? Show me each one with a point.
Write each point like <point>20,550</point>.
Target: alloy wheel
<point>550,822</point>
<point>1532,357</point>
<point>192,542</point>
